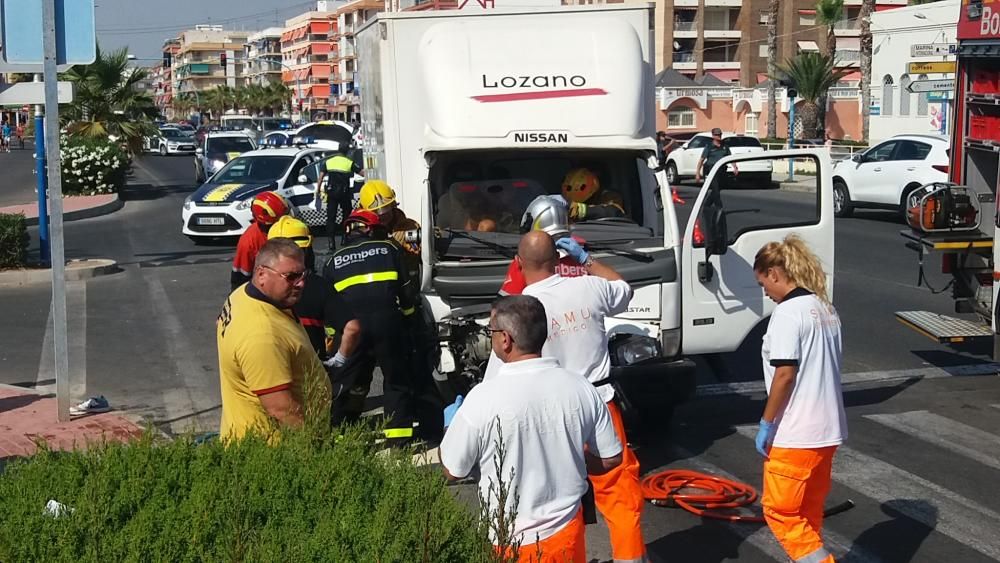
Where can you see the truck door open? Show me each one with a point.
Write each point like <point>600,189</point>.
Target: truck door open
<point>728,223</point>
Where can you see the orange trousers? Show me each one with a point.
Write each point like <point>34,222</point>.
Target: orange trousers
<point>568,545</point>
<point>618,496</point>
<point>796,482</point>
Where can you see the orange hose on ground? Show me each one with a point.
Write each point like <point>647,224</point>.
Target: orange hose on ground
<point>701,494</point>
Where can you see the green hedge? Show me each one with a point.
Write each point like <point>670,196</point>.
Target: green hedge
<point>13,241</point>
<point>311,497</point>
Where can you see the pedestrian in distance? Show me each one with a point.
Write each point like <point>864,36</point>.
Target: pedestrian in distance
<point>5,135</point>
<point>803,420</point>
<point>555,429</point>
<point>334,181</point>
<point>19,134</point>
<point>576,308</point>
<point>266,208</point>
<point>711,155</point>
<point>265,357</point>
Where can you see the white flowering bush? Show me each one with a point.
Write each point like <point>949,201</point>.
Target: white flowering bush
<point>92,166</point>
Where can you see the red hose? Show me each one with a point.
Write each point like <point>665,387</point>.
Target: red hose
<point>701,494</point>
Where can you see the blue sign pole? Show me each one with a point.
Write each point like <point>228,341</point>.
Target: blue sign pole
<point>791,137</point>
<point>42,184</point>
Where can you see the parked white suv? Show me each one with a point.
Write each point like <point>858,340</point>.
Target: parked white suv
<point>682,162</point>
<point>884,175</point>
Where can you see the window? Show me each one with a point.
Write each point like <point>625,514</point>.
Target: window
<point>752,123</point>
<point>807,19</point>
<point>881,153</point>
<point>762,50</point>
<point>887,93</point>
<point>681,117</point>
<point>912,150</point>
<point>698,142</point>
<point>904,95</point>
<point>922,99</point>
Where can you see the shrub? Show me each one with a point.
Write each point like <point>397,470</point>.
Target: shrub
<point>13,241</point>
<point>92,166</point>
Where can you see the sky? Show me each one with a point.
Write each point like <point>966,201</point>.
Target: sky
<point>143,25</point>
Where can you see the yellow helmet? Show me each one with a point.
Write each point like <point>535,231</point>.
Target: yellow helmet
<point>292,228</point>
<point>375,195</point>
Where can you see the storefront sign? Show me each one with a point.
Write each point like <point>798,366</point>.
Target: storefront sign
<point>942,67</point>
<point>933,49</point>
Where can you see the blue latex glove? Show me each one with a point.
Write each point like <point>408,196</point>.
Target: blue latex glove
<point>450,410</point>
<point>765,435</point>
<point>573,248</point>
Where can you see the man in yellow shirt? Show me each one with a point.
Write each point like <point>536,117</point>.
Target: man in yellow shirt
<point>265,357</point>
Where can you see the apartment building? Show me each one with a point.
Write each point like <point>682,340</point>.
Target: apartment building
<point>197,66</point>
<point>308,50</point>
<point>262,57</point>
<point>344,93</point>
<point>163,78</point>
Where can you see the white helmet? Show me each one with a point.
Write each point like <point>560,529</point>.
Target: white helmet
<point>547,214</point>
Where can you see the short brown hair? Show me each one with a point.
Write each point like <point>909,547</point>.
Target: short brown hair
<point>275,248</point>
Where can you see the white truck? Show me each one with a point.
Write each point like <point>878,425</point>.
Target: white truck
<point>474,115</point>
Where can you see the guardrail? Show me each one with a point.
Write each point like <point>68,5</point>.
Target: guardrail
<point>837,152</point>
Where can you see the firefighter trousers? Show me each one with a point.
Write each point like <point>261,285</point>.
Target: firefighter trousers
<point>618,496</point>
<point>383,343</point>
<point>796,482</point>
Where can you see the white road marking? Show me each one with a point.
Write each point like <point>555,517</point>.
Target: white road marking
<point>945,511</point>
<point>859,378</point>
<point>945,433</point>
<point>760,536</point>
<point>76,317</point>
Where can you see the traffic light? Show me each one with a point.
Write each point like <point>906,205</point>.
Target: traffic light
<point>222,60</point>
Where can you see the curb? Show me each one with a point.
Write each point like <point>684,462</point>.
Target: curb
<point>76,270</point>
<point>96,211</point>
<point>797,188</point>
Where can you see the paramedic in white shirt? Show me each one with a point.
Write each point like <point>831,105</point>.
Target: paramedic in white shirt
<point>555,430</point>
<point>804,420</point>
<point>576,308</point>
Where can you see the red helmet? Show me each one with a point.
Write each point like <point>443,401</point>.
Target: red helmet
<point>268,207</point>
<point>361,219</point>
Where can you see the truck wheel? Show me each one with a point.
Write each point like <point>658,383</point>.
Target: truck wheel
<point>672,178</point>
<point>842,206</point>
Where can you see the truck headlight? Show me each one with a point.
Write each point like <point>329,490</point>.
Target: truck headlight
<point>188,204</point>
<point>244,204</point>
<point>628,349</point>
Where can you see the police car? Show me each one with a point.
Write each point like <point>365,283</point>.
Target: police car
<point>217,149</point>
<point>221,206</point>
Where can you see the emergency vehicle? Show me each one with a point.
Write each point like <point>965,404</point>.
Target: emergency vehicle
<point>477,113</point>
<point>954,222</point>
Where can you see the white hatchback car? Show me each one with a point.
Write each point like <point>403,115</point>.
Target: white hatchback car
<point>682,162</point>
<point>884,175</point>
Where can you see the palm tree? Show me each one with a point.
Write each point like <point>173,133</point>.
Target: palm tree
<point>867,7</point>
<point>772,69</point>
<point>215,100</point>
<point>829,13</point>
<point>107,100</point>
<point>812,74</point>
<point>278,96</point>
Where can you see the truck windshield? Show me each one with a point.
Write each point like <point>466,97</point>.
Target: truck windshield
<point>488,191</point>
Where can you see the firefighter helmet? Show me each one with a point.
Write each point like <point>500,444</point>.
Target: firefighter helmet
<point>361,220</point>
<point>375,195</point>
<point>291,228</point>
<point>268,207</point>
<point>546,214</point>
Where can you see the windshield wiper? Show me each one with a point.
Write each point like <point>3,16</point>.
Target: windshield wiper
<point>509,253</point>
<point>642,256</point>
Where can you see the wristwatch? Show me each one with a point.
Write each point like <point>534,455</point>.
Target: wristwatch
<point>588,262</point>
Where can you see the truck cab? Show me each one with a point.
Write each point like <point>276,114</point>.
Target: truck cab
<point>469,134</point>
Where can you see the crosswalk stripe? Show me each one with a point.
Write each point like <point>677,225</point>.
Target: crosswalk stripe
<point>945,433</point>
<point>859,378</point>
<point>760,536</point>
<point>957,517</point>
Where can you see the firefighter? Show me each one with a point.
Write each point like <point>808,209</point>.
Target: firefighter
<point>368,273</point>
<point>266,209</point>
<point>338,170</point>
<point>378,197</point>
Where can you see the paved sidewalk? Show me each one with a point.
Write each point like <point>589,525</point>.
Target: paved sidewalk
<point>75,207</point>
<point>26,417</point>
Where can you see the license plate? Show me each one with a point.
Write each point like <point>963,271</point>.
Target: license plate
<point>211,221</point>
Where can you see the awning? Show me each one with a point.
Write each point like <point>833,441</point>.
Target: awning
<point>321,91</point>
<point>851,77</point>
<point>303,74</point>
<point>807,12</point>
<point>319,28</point>
<point>286,36</point>
<point>808,46</point>
<point>724,75</point>
<point>299,33</point>
<point>320,48</point>
<point>321,71</point>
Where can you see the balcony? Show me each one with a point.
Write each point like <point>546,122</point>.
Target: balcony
<point>723,3</point>
<point>721,65</point>
<point>722,33</point>
<point>848,58</point>
<point>684,61</point>
<point>847,28</point>
<point>685,29</point>
<point>685,3</point>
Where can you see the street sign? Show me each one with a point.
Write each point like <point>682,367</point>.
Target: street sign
<point>939,96</point>
<point>933,49</point>
<point>33,93</point>
<point>942,67</point>
<point>21,32</point>
<point>946,85</point>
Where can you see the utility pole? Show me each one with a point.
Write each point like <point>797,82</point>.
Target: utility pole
<point>41,183</point>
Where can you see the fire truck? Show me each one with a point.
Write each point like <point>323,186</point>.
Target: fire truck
<point>954,222</point>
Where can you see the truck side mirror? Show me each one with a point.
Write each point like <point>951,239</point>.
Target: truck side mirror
<point>716,233</point>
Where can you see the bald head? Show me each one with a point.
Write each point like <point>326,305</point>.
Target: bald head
<point>538,255</point>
